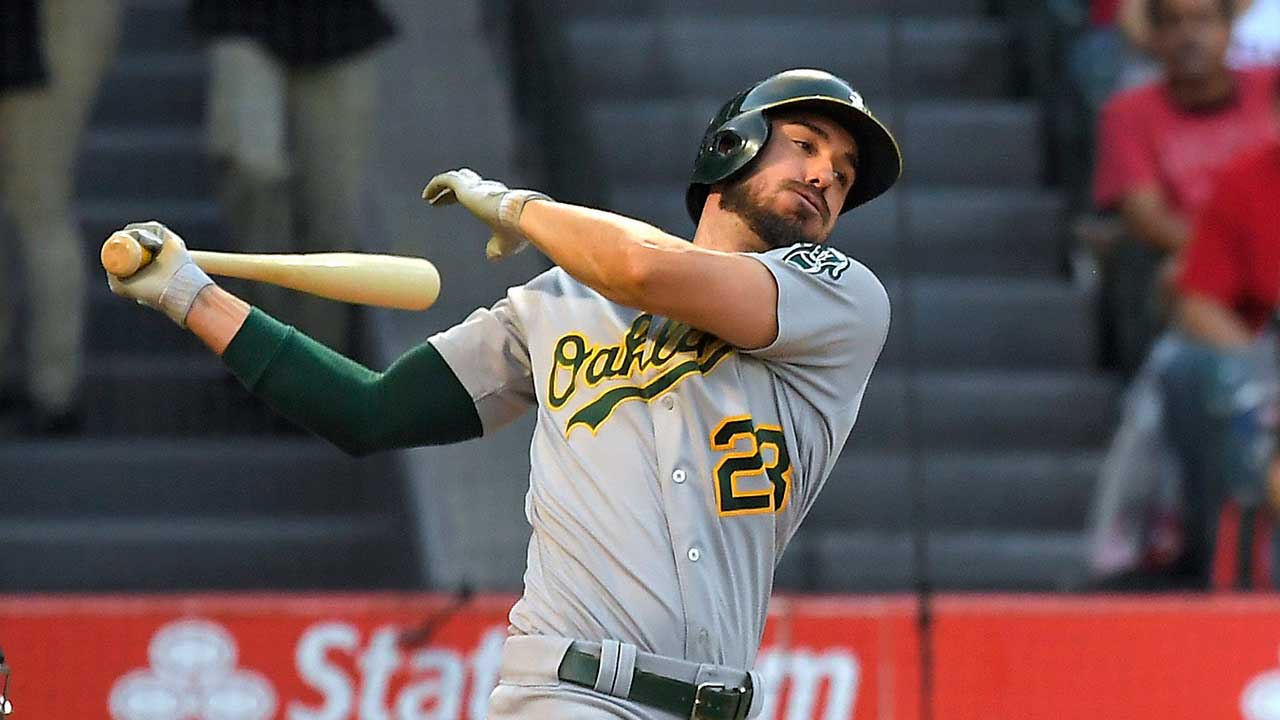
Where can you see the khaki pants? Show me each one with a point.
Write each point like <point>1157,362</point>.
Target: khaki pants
<point>40,131</point>
<point>529,688</point>
<point>292,145</point>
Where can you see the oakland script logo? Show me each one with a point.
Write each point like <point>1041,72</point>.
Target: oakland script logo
<point>640,367</point>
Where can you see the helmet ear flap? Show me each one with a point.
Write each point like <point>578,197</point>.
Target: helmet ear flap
<point>727,142</point>
<point>730,143</point>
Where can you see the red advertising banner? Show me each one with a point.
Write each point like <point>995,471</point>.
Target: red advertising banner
<point>1162,658</point>
<point>331,657</point>
<point>838,658</point>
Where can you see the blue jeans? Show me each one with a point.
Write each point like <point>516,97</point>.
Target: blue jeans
<point>1220,409</point>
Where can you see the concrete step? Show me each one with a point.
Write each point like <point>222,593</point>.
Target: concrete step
<point>144,163</point>
<point>162,24</point>
<point>986,230</point>
<point>1009,491</point>
<point>217,553</point>
<point>908,9</point>
<point>717,56</point>
<point>878,561</point>
<point>171,396</point>
<point>966,231</point>
<point>1011,409</point>
<point>952,58</point>
<point>118,329</point>
<point>976,323</point>
<point>196,477</point>
<point>953,144</point>
<point>197,220</point>
<point>165,89</point>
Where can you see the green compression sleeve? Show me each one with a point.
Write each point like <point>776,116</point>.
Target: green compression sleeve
<point>416,401</point>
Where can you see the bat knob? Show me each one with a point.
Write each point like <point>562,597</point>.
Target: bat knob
<point>123,256</point>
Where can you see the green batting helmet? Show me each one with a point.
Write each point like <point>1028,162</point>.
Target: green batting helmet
<point>741,128</point>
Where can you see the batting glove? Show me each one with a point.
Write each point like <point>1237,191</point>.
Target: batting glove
<point>171,282</point>
<point>489,200</point>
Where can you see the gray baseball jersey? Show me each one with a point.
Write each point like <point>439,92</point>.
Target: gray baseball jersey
<point>670,469</point>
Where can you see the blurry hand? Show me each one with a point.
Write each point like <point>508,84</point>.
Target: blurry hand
<point>171,282</point>
<point>489,200</point>
<point>1273,486</point>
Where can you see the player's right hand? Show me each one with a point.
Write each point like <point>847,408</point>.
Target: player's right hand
<point>171,282</point>
<point>490,201</point>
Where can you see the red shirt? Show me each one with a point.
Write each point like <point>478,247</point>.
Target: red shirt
<point>1234,255</point>
<point>1145,141</point>
<point>1103,12</point>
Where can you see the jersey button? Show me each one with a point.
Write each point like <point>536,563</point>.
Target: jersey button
<point>694,554</point>
<point>668,402</point>
<point>678,477</point>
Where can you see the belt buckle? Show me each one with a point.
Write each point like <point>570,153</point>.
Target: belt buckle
<point>717,701</point>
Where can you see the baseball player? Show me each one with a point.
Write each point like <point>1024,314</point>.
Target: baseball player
<point>691,397</point>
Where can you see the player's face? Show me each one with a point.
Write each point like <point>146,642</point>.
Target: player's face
<point>1191,38</point>
<point>799,182</point>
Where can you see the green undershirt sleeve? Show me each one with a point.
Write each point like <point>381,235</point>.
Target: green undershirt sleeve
<point>416,401</point>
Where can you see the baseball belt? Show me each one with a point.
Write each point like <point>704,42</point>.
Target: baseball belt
<point>682,688</point>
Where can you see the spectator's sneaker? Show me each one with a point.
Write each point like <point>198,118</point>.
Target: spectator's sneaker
<point>13,398</point>
<point>61,423</point>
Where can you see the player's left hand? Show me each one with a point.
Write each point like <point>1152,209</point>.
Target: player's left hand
<point>171,282</point>
<point>491,201</point>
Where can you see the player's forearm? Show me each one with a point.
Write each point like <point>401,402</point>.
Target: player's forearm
<point>416,401</point>
<point>612,254</point>
<point>1211,322</point>
<point>216,317</point>
<point>635,264</point>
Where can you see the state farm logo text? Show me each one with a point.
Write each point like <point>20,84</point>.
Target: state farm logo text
<point>355,678</point>
<point>437,692</point>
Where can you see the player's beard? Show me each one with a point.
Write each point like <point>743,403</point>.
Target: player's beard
<point>773,228</point>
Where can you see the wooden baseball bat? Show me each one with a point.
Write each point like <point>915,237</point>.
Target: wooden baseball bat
<point>392,281</point>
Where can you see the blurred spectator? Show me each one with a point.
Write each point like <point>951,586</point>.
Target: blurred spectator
<point>50,69</point>
<point>1160,147</point>
<point>291,109</point>
<point>1255,34</point>
<point>1220,375</point>
<point>1101,59</point>
<point>1256,39</point>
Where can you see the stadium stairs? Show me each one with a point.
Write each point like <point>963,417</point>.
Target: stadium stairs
<point>180,479</point>
<point>987,388</point>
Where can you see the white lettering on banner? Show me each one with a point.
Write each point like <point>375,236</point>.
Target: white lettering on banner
<point>378,663</point>
<point>443,687</point>
<point>445,690</point>
<point>485,663</point>
<point>806,672</point>
<point>331,682</point>
<point>1261,697</point>
<point>193,676</point>
<point>440,678</point>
